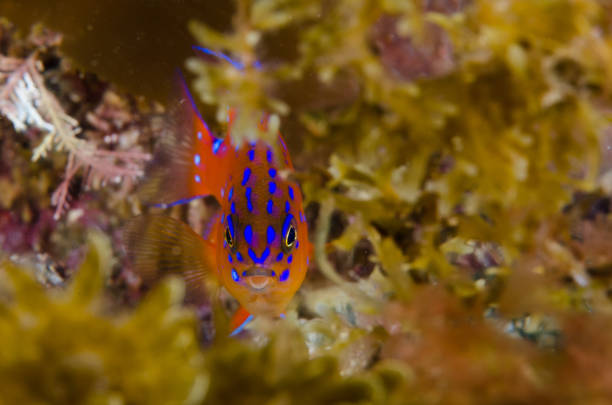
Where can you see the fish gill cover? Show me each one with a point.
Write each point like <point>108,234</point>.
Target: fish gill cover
<point>455,161</point>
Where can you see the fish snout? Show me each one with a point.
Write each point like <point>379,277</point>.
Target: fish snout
<point>258,278</point>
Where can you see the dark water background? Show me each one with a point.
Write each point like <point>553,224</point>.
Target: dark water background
<point>135,44</point>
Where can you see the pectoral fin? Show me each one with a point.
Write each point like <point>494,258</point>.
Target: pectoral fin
<point>158,246</point>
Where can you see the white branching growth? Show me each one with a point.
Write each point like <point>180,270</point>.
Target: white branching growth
<point>28,104</point>
<point>102,167</point>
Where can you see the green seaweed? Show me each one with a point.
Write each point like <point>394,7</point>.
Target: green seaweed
<point>64,346</point>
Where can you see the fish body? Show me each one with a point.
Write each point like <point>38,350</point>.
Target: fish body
<point>256,247</point>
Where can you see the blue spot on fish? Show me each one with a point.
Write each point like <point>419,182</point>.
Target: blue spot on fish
<point>271,187</point>
<point>248,234</point>
<point>229,257</point>
<point>272,172</point>
<point>235,276</point>
<point>269,206</point>
<point>199,135</point>
<point>269,155</point>
<point>248,197</point>
<point>216,145</point>
<point>251,155</point>
<point>290,193</point>
<point>287,206</point>
<point>196,159</point>
<point>231,193</point>
<point>246,175</point>
<point>289,258</point>
<point>233,207</point>
<point>284,275</point>
<point>197,178</point>
<point>279,257</point>
<point>271,234</point>
<point>261,259</point>
<point>239,256</point>
<point>264,255</point>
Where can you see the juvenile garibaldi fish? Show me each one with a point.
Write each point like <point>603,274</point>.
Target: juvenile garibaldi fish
<point>256,247</point>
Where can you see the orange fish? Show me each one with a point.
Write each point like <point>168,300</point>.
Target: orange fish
<point>257,247</point>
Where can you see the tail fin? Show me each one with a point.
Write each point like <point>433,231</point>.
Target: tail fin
<point>189,161</point>
<point>158,246</point>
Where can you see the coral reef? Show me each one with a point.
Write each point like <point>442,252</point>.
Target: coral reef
<point>455,159</point>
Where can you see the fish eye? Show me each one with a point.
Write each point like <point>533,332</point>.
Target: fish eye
<point>230,234</point>
<point>228,238</point>
<point>289,233</point>
<point>290,238</point>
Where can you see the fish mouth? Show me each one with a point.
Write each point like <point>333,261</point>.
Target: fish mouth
<point>258,278</point>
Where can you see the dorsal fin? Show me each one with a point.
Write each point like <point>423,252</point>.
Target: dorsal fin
<point>280,153</point>
<point>284,158</point>
<point>220,55</point>
<point>189,161</point>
